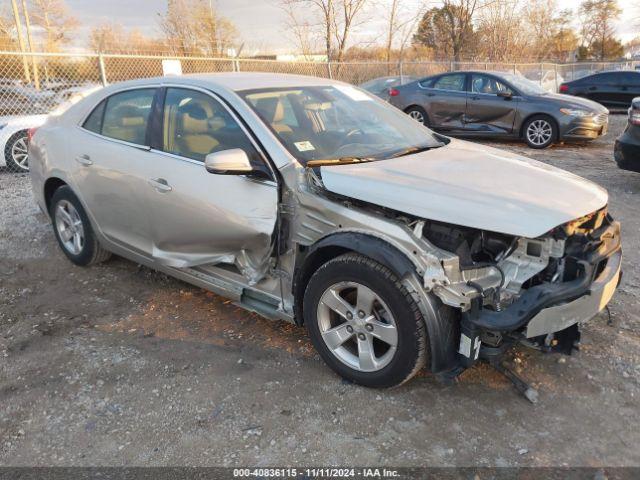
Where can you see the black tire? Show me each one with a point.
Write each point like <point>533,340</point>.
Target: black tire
<point>91,251</point>
<point>12,163</point>
<point>540,119</point>
<point>416,113</point>
<point>411,353</point>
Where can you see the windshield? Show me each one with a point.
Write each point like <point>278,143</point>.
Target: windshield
<point>337,122</point>
<point>524,85</point>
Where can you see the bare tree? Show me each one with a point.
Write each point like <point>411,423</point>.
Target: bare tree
<point>401,20</point>
<point>502,33</point>
<point>598,28</point>
<point>7,40</point>
<point>195,26</point>
<point>543,23</point>
<point>54,18</point>
<point>301,29</point>
<point>449,27</point>
<point>334,20</point>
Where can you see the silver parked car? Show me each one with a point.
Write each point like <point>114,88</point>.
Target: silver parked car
<point>309,200</point>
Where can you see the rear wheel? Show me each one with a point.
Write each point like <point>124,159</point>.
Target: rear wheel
<point>364,323</point>
<point>540,131</point>
<point>419,114</point>
<point>16,152</point>
<point>73,229</point>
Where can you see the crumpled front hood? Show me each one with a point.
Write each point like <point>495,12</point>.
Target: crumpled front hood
<point>471,185</point>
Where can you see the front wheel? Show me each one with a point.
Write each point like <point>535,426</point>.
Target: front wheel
<point>364,323</point>
<point>540,131</point>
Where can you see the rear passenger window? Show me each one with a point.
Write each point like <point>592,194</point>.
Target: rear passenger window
<point>426,83</point>
<point>453,82</point>
<point>126,115</point>
<point>93,123</point>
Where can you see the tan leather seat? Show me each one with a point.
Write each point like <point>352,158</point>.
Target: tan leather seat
<point>128,125</point>
<point>195,133</point>
<point>272,110</point>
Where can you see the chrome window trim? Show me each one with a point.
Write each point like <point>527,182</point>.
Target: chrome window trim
<point>84,117</point>
<point>114,140</point>
<point>210,93</point>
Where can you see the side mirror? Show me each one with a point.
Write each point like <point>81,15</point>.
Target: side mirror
<point>228,162</point>
<point>506,95</point>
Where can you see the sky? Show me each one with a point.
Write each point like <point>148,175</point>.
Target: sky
<point>261,23</point>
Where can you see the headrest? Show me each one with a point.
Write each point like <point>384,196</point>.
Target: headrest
<point>271,109</point>
<point>129,116</point>
<point>194,110</point>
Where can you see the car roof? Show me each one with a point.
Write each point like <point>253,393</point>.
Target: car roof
<point>237,81</point>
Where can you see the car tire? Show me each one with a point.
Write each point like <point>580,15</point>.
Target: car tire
<point>540,131</point>
<point>73,229</point>
<point>419,114</point>
<point>16,152</point>
<point>361,349</point>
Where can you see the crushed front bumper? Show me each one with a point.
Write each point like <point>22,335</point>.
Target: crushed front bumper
<point>551,307</point>
<point>558,317</point>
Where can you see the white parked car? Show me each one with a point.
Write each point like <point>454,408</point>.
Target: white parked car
<point>310,200</point>
<point>14,140</point>
<point>14,130</point>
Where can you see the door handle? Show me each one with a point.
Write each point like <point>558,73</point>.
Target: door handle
<point>160,184</point>
<point>84,160</point>
<point>591,89</point>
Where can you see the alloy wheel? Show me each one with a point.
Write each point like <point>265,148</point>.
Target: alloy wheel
<point>20,153</point>
<point>539,132</point>
<point>69,227</point>
<point>357,327</point>
<point>417,116</point>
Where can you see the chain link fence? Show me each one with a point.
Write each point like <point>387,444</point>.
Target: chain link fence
<point>32,85</point>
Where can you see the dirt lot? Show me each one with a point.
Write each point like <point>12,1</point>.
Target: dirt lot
<point>119,365</point>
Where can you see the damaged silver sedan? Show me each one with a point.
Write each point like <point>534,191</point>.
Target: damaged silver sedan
<point>309,200</point>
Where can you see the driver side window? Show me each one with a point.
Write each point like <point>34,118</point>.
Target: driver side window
<point>487,85</point>
<point>195,125</point>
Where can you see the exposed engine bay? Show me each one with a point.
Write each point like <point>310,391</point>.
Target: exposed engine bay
<point>496,268</point>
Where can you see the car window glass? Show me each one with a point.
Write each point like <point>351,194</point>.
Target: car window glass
<point>426,83</point>
<point>606,79</point>
<point>93,123</point>
<point>126,115</point>
<point>195,125</point>
<point>450,82</point>
<point>332,122</point>
<point>486,84</point>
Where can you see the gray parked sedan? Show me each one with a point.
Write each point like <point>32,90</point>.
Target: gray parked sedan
<point>311,201</point>
<point>499,104</point>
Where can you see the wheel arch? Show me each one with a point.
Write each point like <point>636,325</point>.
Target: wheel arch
<point>332,246</point>
<point>442,327</point>
<point>49,189</point>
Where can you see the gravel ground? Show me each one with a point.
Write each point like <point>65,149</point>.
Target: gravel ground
<point>120,365</point>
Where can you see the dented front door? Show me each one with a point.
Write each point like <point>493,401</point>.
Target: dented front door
<point>200,218</point>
